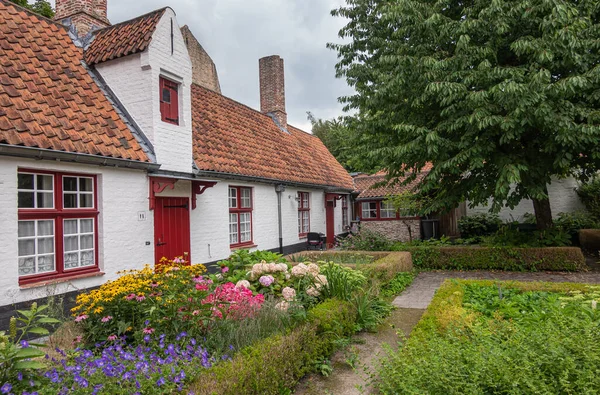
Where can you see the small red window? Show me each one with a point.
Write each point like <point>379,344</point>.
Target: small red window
<point>169,101</point>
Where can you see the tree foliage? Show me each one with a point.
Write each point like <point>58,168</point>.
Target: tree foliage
<point>500,95</point>
<point>339,140</point>
<point>41,7</point>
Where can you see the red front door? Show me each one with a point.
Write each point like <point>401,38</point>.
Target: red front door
<point>172,228</point>
<point>330,222</point>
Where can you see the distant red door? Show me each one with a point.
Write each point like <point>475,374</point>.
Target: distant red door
<point>330,223</point>
<point>172,228</point>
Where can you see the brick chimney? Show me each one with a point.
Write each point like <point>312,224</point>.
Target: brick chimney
<point>272,88</point>
<point>85,15</point>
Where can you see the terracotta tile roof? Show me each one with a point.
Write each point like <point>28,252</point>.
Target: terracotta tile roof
<point>230,137</point>
<point>122,39</point>
<point>48,99</point>
<point>364,185</point>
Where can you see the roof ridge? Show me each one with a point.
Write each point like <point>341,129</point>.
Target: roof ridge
<point>248,107</point>
<point>129,20</point>
<point>27,10</point>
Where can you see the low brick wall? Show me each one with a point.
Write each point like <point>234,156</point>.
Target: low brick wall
<point>396,230</point>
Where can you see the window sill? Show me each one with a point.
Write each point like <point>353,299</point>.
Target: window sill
<point>43,283</point>
<point>243,247</point>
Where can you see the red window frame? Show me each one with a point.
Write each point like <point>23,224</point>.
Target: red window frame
<point>302,208</point>
<point>378,217</point>
<point>58,214</point>
<point>169,111</point>
<point>239,210</point>
<point>344,212</point>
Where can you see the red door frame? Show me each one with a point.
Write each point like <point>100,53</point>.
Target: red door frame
<point>172,228</point>
<point>330,222</point>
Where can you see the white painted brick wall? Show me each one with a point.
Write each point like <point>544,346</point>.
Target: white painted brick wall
<point>135,81</point>
<point>122,194</point>
<point>563,199</point>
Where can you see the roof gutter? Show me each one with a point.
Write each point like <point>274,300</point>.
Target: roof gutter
<point>270,181</point>
<point>45,154</point>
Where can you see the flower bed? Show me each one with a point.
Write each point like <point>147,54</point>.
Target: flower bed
<point>501,338</point>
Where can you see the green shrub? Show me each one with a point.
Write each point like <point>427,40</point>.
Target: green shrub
<point>478,225</point>
<point>366,240</point>
<point>510,236</point>
<point>572,223</point>
<point>342,282</point>
<point>241,259</point>
<point>498,258</point>
<point>590,196</point>
<point>590,239</point>
<point>523,342</point>
<point>276,363</point>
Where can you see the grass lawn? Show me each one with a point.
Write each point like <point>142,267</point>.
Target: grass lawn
<point>486,337</point>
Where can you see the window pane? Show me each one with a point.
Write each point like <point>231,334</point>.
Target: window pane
<point>87,258</point>
<point>70,200</point>
<point>26,200</point>
<point>87,242</point>
<point>86,200</point>
<point>45,200</point>
<point>26,266</point>
<point>70,184</point>
<point>232,198</point>
<point>166,95</point>
<point>87,226</point>
<point>27,247</point>
<point>44,183</point>
<point>25,181</point>
<point>86,185</point>
<point>45,228</point>
<point>71,243</point>
<point>46,245</point>
<point>71,260</point>
<point>46,263</point>
<point>70,227</point>
<point>246,197</point>
<point>26,228</point>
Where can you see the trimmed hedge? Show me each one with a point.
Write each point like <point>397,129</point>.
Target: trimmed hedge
<point>589,239</point>
<point>278,362</point>
<point>498,258</point>
<point>386,268</point>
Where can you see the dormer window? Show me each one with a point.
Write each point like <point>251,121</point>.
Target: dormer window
<point>169,101</point>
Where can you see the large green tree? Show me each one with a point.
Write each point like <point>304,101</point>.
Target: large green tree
<point>500,95</point>
<point>340,141</point>
<point>42,7</point>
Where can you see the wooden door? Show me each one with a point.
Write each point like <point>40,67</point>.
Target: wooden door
<point>172,228</point>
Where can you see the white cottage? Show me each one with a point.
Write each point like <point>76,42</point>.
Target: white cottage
<point>111,156</point>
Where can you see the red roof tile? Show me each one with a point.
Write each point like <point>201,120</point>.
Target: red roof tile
<point>230,137</point>
<point>365,184</point>
<point>48,99</point>
<point>122,39</point>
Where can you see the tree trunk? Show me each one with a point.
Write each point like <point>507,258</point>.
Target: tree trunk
<point>543,213</point>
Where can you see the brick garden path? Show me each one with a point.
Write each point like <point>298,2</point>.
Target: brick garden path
<point>420,293</point>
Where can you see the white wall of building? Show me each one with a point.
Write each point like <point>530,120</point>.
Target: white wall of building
<point>122,195</point>
<point>135,81</point>
<point>563,199</point>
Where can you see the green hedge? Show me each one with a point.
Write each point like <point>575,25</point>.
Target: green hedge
<point>277,362</point>
<point>590,239</point>
<point>498,258</point>
<point>387,267</point>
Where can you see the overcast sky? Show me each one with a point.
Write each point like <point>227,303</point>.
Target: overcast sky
<point>236,33</point>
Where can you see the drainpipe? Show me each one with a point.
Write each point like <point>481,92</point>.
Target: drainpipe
<point>280,189</point>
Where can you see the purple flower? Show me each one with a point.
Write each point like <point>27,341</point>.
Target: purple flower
<point>160,381</point>
<point>147,338</point>
<point>266,281</point>
<point>24,344</point>
<point>5,389</point>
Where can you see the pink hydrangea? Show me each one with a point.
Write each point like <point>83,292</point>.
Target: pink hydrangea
<point>288,294</point>
<point>266,281</point>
